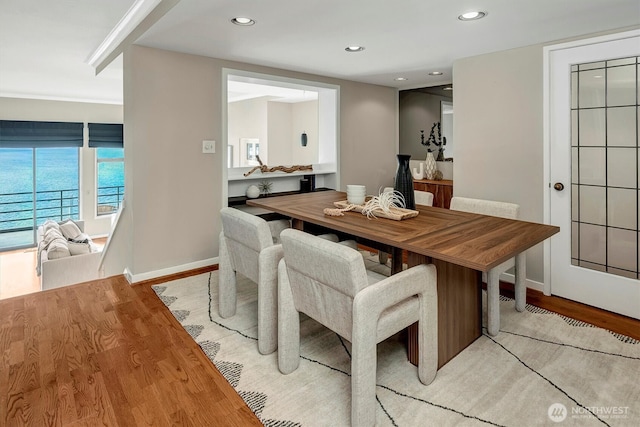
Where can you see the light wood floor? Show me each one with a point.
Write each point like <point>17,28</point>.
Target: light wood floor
<point>109,353</point>
<point>18,271</point>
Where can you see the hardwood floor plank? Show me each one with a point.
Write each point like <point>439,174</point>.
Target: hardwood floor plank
<point>107,353</point>
<point>66,403</point>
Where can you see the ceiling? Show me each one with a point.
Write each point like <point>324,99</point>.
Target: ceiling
<point>44,44</point>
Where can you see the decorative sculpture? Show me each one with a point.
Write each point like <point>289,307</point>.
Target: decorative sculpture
<point>286,169</point>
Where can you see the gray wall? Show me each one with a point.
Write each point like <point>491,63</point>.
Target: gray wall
<point>174,192</point>
<point>498,133</point>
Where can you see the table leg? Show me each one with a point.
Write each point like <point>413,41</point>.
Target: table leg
<point>396,260</point>
<point>459,309</point>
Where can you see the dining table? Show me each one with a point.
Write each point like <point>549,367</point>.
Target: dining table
<point>461,245</point>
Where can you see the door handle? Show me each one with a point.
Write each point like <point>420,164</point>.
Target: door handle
<point>558,186</point>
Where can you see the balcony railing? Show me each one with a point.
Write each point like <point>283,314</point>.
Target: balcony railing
<point>109,199</point>
<point>19,212</point>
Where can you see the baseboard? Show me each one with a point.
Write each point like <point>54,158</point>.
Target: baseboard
<point>531,284</point>
<point>136,278</point>
<point>128,275</point>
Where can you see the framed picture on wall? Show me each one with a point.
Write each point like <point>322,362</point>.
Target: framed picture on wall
<point>251,151</point>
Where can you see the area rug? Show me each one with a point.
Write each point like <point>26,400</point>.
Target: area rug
<point>542,369</point>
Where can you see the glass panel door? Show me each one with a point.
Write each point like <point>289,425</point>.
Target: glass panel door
<point>592,119</point>
<point>604,157</point>
<point>36,184</point>
<point>57,191</point>
<point>16,198</point>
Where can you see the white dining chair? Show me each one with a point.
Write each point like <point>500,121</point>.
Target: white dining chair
<point>329,283</point>
<point>492,278</point>
<point>249,245</point>
<point>423,198</point>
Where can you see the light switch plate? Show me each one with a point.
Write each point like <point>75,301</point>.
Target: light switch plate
<point>208,146</point>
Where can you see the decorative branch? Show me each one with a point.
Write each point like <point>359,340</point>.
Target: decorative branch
<point>438,141</point>
<point>287,169</point>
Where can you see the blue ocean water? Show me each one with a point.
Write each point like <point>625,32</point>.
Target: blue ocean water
<point>56,182</point>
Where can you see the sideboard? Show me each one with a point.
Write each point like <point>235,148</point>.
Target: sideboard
<point>442,190</point>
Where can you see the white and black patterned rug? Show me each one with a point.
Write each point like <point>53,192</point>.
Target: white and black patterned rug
<point>542,369</point>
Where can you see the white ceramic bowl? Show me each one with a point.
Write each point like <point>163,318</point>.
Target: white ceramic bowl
<point>356,189</point>
<point>356,200</point>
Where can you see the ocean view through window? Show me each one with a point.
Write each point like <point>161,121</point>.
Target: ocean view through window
<point>37,184</point>
<point>110,179</point>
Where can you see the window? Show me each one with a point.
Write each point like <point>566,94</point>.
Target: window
<point>39,177</point>
<point>109,179</point>
<point>107,139</point>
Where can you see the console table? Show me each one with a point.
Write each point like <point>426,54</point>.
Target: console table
<point>442,191</point>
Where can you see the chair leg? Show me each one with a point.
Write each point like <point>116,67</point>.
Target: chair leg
<point>383,257</point>
<point>493,302</point>
<point>288,325</point>
<point>226,282</point>
<point>363,380</point>
<point>267,317</point>
<point>521,279</point>
<point>428,339</point>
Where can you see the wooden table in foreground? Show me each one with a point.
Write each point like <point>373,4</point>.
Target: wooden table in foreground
<point>460,244</point>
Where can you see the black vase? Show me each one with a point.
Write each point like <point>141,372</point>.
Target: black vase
<point>404,181</point>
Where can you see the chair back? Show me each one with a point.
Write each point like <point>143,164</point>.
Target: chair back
<point>485,207</point>
<point>424,198</point>
<point>324,278</point>
<point>246,236</point>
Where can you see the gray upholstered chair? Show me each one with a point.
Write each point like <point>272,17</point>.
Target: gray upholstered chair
<point>329,283</point>
<point>248,246</point>
<point>492,278</point>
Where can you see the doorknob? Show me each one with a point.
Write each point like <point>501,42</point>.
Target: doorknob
<point>558,186</point>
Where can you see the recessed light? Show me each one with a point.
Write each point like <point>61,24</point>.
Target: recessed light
<point>447,88</point>
<point>597,76</point>
<point>472,16</point>
<point>435,73</point>
<point>243,21</point>
<point>354,48</point>
<point>400,79</point>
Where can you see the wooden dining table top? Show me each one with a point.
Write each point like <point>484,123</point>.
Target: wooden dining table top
<point>480,242</point>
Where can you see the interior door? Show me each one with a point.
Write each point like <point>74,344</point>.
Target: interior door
<point>594,195</point>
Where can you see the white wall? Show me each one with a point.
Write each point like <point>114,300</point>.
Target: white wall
<point>304,118</point>
<point>172,102</point>
<point>279,130</point>
<point>63,111</point>
<point>248,119</point>
<point>278,125</point>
